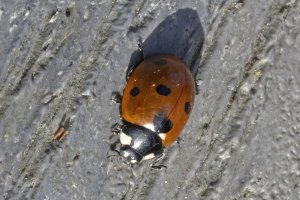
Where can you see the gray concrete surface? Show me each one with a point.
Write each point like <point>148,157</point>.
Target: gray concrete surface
<point>60,61</point>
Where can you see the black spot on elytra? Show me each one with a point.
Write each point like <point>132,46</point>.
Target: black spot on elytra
<point>159,61</point>
<point>162,124</point>
<point>163,90</point>
<point>187,107</point>
<point>134,91</point>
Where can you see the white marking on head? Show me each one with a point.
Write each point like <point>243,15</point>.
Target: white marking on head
<point>149,156</point>
<point>125,139</point>
<point>162,136</point>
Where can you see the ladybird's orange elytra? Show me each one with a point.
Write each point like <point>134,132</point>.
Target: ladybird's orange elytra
<point>160,85</point>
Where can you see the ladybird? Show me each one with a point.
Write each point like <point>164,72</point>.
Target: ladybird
<point>156,104</point>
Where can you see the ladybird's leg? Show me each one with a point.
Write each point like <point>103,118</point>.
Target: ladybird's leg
<point>197,86</point>
<point>114,153</point>
<point>116,97</point>
<point>129,72</point>
<point>154,162</point>
<point>179,139</point>
<point>116,128</point>
<point>141,48</point>
<point>120,111</point>
<point>114,145</point>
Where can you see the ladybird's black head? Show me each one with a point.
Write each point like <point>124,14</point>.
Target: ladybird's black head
<point>129,155</point>
<point>138,143</point>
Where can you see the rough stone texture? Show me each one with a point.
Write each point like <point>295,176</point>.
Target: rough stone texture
<point>60,61</point>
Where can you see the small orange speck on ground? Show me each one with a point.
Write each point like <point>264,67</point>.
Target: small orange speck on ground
<point>60,134</point>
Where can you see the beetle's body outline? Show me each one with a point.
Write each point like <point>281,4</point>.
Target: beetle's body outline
<point>156,104</point>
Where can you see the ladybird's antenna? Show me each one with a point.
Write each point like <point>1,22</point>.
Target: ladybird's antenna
<point>116,128</point>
